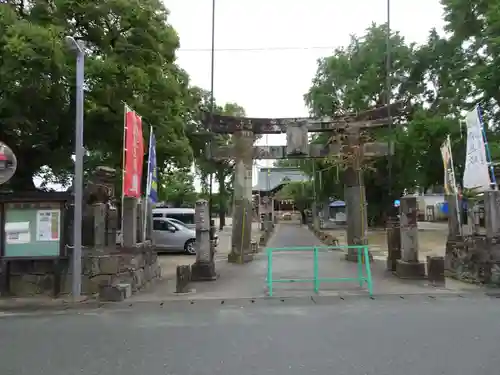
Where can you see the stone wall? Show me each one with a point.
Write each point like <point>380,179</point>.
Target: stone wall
<point>137,267</point>
<point>474,259</point>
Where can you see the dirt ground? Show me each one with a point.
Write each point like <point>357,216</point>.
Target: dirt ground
<point>431,239</point>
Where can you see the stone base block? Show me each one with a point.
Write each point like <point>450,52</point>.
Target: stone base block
<point>203,271</point>
<point>352,255</point>
<point>410,270</point>
<point>435,270</point>
<point>115,293</point>
<point>391,264</point>
<point>263,239</point>
<point>183,277</point>
<point>254,247</point>
<point>239,258</point>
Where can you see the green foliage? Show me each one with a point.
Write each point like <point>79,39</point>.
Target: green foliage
<point>300,192</point>
<point>221,170</point>
<point>177,188</point>
<point>130,57</point>
<point>440,79</point>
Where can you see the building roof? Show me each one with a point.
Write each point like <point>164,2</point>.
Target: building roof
<point>270,178</point>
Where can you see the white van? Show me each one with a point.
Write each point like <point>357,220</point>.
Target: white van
<point>184,215</point>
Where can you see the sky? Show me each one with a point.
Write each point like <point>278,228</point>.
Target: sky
<point>278,43</point>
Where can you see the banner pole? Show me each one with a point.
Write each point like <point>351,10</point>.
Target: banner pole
<point>125,110</point>
<point>455,185</point>
<point>148,186</point>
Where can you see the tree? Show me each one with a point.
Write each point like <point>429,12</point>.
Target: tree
<point>430,77</point>
<point>177,188</point>
<point>300,192</point>
<point>130,58</point>
<point>474,26</point>
<point>221,169</point>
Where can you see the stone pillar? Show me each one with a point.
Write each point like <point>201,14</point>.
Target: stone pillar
<point>129,229</point>
<point>140,221</point>
<point>112,226</point>
<point>453,223</point>
<point>204,267</point>
<point>476,219</point>
<point>454,239</point>
<point>241,251</point>
<point>268,214</point>
<point>149,223</point>
<point>492,213</point>
<point>409,267</point>
<point>393,242</point>
<point>315,216</point>
<point>357,219</point>
<point>273,215</point>
<point>99,213</point>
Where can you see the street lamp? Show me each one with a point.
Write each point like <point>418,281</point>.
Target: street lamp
<point>77,48</point>
<point>388,88</point>
<point>212,107</point>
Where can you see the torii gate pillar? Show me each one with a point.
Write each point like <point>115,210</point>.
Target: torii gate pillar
<point>242,205</point>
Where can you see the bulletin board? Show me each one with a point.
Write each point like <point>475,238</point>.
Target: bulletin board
<point>32,230</point>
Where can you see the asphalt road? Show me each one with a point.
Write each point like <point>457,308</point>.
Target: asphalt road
<point>358,336</point>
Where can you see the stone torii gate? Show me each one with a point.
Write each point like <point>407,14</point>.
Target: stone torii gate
<point>348,141</point>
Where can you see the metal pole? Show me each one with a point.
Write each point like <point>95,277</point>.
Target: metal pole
<point>388,100</point>
<point>454,187</point>
<point>78,189</point>
<point>212,104</point>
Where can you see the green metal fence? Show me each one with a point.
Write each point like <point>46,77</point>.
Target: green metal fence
<point>362,277</point>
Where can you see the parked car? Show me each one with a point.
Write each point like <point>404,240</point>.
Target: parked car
<point>169,236</point>
<point>184,216</point>
<point>216,236</point>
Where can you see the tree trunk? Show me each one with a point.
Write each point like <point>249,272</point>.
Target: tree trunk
<point>222,198</point>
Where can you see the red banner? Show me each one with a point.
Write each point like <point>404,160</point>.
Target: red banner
<point>134,155</point>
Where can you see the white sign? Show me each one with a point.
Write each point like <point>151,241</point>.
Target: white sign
<point>476,173</point>
<point>17,233</point>
<point>47,225</point>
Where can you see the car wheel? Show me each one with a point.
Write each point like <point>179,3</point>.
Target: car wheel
<point>189,247</point>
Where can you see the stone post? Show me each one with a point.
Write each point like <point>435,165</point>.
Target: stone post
<point>315,216</point>
<point>357,219</point>
<point>204,267</point>
<point>140,221</point>
<point>492,213</point>
<point>112,226</point>
<point>149,223</point>
<point>409,267</point>
<point>355,198</point>
<point>241,251</point>
<point>268,218</point>
<point>476,219</point>
<point>99,213</point>
<point>393,242</point>
<point>454,239</point>
<point>129,230</point>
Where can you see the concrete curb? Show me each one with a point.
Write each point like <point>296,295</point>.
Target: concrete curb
<point>234,301</point>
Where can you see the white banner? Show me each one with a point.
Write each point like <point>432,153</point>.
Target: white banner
<point>450,186</point>
<point>476,173</point>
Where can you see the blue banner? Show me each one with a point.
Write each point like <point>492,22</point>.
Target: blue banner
<point>152,170</point>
